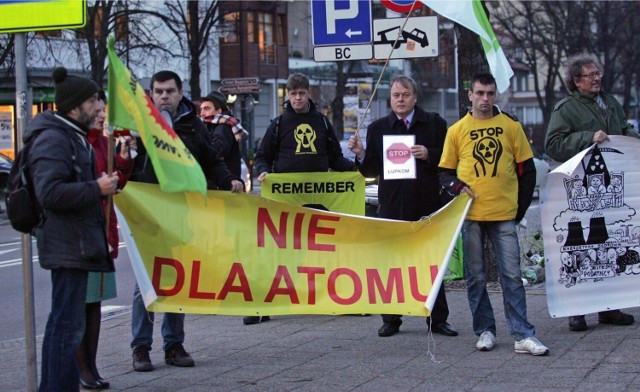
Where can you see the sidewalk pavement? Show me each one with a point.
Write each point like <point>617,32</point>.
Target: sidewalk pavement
<point>344,353</point>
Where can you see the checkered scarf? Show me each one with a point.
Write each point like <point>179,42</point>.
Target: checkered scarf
<point>231,121</point>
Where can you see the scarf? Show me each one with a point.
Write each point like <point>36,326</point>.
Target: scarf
<point>231,121</point>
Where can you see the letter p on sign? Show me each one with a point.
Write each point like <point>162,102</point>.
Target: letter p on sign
<point>334,14</point>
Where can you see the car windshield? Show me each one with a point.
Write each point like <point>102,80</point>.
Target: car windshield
<point>5,159</point>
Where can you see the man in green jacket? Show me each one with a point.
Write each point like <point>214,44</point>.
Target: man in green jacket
<point>585,117</point>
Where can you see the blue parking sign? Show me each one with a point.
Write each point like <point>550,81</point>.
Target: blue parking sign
<point>341,22</point>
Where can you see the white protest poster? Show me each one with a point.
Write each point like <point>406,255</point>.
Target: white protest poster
<point>591,230</point>
<point>6,130</point>
<point>398,161</point>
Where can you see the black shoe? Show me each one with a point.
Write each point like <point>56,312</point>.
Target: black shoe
<point>577,323</point>
<point>93,385</point>
<point>250,320</point>
<point>99,378</point>
<point>443,328</point>
<point>389,329</point>
<point>176,355</point>
<point>141,360</point>
<point>615,317</point>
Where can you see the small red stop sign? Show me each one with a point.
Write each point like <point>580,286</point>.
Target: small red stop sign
<point>398,153</point>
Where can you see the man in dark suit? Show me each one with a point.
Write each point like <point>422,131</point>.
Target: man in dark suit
<point>407,199</point>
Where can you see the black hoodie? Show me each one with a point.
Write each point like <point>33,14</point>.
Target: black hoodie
<point>301,142</point>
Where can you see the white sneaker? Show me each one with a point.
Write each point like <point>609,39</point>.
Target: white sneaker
<point>531,346</point>
<point>486,342</point>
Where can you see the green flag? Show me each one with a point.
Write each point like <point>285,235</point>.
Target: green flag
<point>130,108</point>
<point>470,14</point>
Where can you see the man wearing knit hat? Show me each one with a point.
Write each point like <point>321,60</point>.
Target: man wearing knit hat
<point>71,240</point>
<point>225,131</point>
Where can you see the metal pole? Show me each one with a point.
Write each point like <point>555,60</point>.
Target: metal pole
<point>23,110</point>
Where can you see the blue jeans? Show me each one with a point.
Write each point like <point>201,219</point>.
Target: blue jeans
<point>64,331</point>
<point>142,325</point>
<point>504,238</point>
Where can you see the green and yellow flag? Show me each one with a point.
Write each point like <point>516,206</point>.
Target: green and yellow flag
<point>130,108</point>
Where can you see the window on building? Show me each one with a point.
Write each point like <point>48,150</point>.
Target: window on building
<point>266,44</point>
<point>231,27</point>
<point>451,101</point>
<point>251,27</point>
<point>528,115</point>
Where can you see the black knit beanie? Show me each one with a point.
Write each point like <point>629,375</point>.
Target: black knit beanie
<point>71,91</point>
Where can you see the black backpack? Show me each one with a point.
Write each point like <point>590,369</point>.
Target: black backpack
<point>23,209</point>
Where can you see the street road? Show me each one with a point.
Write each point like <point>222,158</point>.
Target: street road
<point>12,282</point>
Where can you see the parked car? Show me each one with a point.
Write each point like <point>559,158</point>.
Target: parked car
<point>5,167</point>
<point>246,175</point>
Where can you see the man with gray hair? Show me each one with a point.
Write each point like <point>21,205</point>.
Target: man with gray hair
<point>586,116</point>
<point>407,199</point>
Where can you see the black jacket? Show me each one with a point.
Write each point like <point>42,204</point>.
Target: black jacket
<point>72,235</point>
<point>194,135</point>
<point>301,142</point>
<point>226,145</point>
<point>407,199</point>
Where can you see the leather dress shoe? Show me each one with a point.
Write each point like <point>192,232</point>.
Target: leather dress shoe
<point>615,317</point>
<point>389,329</point>
<point>443,328</point>
<point>250,320</point>
<point>577,323</point>
<point>94,385</point>
<point>105,383</point>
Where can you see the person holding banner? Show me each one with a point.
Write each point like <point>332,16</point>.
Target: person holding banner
<point>225,131</point>
<point>487,155</point>
<point>71,240</point>
<point>300,140</point>
<point>586,116</point>
<point>166,93</point>
<point>413,197</point>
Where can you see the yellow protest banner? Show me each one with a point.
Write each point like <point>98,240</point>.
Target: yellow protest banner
<point>240,254</point>
<point>332,191</point>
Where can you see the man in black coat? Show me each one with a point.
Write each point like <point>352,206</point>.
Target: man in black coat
<point>407,199</point>
<point>72,239</point>
<point>225,132</point>
<point>166,92</point>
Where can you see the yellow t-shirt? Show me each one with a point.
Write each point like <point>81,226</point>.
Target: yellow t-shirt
<point>485,153</point>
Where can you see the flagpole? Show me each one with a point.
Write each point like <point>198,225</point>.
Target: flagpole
<point>107,207</point>
<point>384,67</point>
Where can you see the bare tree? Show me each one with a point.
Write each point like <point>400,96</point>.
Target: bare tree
<point>548,32</point>
<point>6,50</point>
<point>136,38</point>
<point>471,59</point>
<point>191,23</point>
<point>541,31</point>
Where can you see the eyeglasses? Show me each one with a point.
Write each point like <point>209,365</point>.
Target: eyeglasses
<point>592,75</point>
